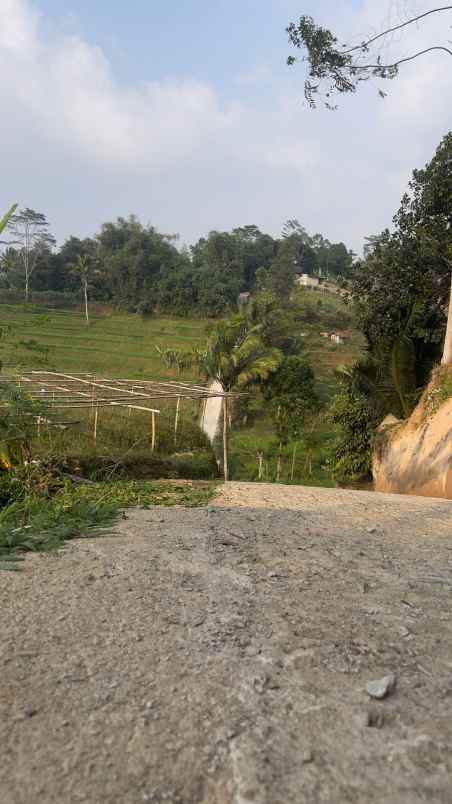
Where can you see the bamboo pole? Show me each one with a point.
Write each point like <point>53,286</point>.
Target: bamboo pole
<point>225,439</point>
<point>153,432</point>
<point>96,418</point>
<point>176,420</point>
<point>293,461</point>
<point>278,464</point>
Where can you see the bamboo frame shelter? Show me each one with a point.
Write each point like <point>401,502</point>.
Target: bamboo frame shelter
<point>63,391</point>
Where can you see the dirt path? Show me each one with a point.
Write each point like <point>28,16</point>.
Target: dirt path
<point>221,656</point>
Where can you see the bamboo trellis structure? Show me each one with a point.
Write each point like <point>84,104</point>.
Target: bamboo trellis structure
<point>63,391</point>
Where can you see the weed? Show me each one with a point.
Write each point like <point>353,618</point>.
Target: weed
<point>36,524</point>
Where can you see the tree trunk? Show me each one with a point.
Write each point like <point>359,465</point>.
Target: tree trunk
<point>85,287</point>
<point>225,439</point>
<point>26,287</point>
<point>447,354</point>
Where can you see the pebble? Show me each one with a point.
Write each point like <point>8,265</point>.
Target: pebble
<point>382,687</point>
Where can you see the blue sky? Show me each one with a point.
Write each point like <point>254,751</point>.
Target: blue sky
<point>186,115</point>
<point>211,41</point>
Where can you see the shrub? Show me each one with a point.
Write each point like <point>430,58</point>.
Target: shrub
<point>145,309</point>
<point>354,414</point>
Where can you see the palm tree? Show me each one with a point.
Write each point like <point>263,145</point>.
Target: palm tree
<point>237,356</point>
<point>84,267</point>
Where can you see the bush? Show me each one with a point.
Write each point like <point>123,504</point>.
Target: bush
<point>352,450</point>
<point>11,488</point>
<point>145,309</point>
<point>200,466</point>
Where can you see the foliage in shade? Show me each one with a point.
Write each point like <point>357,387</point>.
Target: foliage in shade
<point>401,296</point>
<point>291,397</point>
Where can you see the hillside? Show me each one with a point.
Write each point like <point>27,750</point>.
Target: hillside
<point>123,345</point>
<point>113,344</point>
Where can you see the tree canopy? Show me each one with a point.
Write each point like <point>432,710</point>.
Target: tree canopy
<point>138,265</point>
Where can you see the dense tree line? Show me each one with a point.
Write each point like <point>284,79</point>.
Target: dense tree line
<point>138,268</point>
<point>401,293</point>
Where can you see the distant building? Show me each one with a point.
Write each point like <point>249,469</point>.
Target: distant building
<point>340,337</point>
<point>243,298</point>
<point>336,338</point>
<point>307,281</point>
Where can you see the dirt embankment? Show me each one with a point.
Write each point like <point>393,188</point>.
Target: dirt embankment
<point>416,457</point>
<point>221,656</point>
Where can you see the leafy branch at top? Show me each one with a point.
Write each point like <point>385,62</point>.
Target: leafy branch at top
<point>340,70</point>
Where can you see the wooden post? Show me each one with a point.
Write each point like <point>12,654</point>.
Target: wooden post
<point>96,418</point>
<point>153,432</point>
<point>260,463</point>
<point>225,439</point>
<point>176,420</point>
<point>278,464</point>
<point>293,461</point>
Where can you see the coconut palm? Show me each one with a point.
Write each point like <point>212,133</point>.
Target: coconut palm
<point>237,356</point>
<point>84,267</point>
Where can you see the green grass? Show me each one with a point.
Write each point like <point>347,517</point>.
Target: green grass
<point>113,344</point>
<point>310,467</point>
<point>39,525</point>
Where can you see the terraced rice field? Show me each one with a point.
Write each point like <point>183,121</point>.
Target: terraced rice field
<point>116,345</point>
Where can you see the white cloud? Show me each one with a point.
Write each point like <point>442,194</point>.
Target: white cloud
<point>68,88</point>
<point>175,152</point>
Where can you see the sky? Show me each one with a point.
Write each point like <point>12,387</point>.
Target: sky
<point>184,113</point>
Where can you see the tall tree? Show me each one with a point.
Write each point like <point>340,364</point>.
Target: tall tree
<point>425,216</point>
<point>334,69</point>
<point>283,269</point>
<point>85,269</point>
<point>31,232</point>
<point>402,289</point>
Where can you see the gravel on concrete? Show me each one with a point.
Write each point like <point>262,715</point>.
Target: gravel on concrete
<point>222,655</point>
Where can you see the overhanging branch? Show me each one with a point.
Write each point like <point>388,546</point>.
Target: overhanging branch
<point>365,45</point>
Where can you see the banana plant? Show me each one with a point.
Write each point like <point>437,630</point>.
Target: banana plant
<point>6,218</point>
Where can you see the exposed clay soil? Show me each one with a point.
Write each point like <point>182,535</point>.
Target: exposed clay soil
<point>221,655</point>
